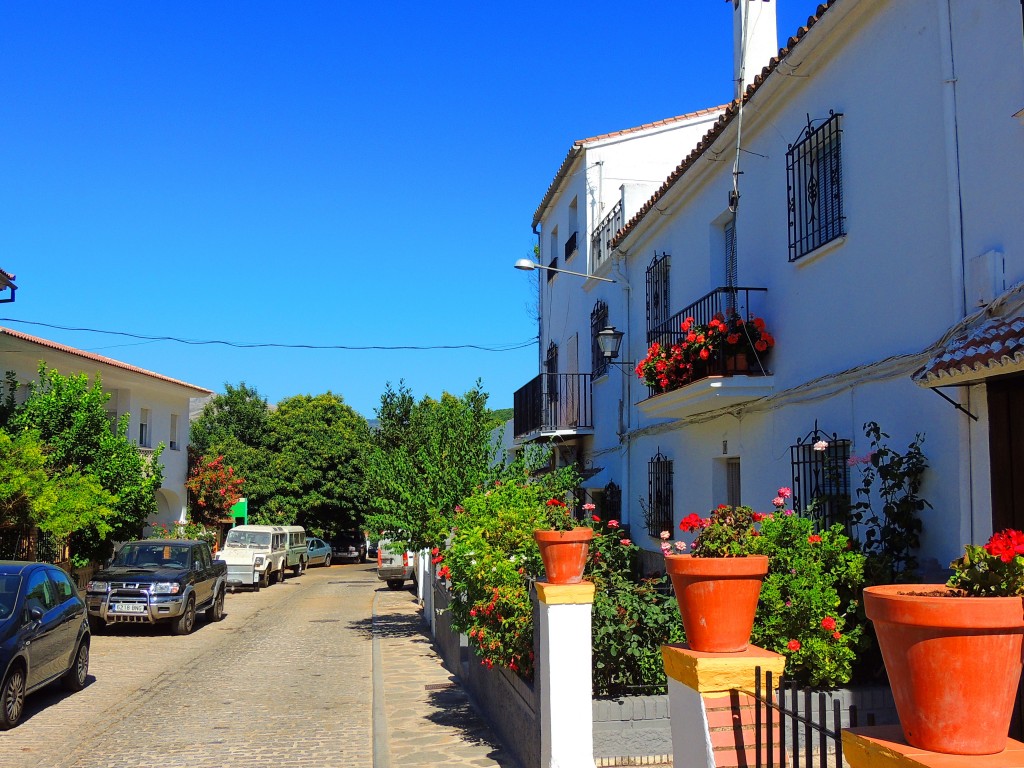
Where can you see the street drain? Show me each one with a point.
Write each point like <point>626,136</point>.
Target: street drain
<point>438,686</point>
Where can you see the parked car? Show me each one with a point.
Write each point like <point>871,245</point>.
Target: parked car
<point>296,549</point>
<point>349,546</point>
<point>158,581</point>
<point>395,565</point>
<point>255,555</point>
<point>44,634</point>
<point>318,552</point>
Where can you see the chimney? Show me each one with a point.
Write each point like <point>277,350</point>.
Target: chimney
<point>753,23</point>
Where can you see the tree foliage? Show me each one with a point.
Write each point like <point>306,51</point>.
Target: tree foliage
<point>98,487</point>
<point>301,460</point>
<point>425,457</point>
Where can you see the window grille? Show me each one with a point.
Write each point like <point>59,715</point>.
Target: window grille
<point>598,322</point>
<point>570,246</point>
<point>611,506</point>
<point>730,253</point>
<point>657,293</point>
<point>659,495</point>
<point>814,181</point>
<point>821,478</point>
<point>732,482</point>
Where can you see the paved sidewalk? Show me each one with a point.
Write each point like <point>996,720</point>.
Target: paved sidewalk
<point>425,718</point>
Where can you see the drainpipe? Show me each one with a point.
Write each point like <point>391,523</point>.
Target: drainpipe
<point>624,401</point>
<point>540,309</point>
<point>956,220</point>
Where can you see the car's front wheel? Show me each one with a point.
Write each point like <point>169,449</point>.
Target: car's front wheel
<point>395,583</point>
<point>74,678</point>
<point>327,560</point>
<point>12,698</point>
<point>283,573</point>
<point>183,624</point>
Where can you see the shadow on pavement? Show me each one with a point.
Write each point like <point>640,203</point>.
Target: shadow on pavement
<point>453,710</point>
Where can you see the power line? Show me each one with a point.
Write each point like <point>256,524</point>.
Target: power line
<point>507,347</point>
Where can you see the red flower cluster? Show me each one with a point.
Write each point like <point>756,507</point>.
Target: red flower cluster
<point>692,522</point>
<point>670,367</point>
<point>214,487</point>
<point>1006,544</point>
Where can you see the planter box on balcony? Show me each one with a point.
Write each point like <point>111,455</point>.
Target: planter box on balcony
<point>707,394</point>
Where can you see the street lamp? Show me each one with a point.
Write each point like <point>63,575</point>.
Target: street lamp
<point>609,340</point>
<point>529,266</point>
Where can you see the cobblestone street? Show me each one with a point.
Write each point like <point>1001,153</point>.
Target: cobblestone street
<point>287,679</point>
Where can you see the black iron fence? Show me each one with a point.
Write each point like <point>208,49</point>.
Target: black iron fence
<point>552,402</point>
<point>796,727</point>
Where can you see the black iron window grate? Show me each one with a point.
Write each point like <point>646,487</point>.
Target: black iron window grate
<point>598,322</point>
<point>657,292</point>
<point>821,478</point>
<point>659,495</point>
<point>814,182</point>
<point>570,246</point>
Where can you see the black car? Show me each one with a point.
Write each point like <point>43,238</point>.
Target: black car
<point>350,546</point>
<point>44,634</point>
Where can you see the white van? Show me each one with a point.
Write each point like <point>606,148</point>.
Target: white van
<point>256,555</point>
<point>297,549</point>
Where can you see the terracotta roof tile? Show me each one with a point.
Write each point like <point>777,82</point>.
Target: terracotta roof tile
<point>716,130</point>
<point>100,359</point>
<point>976,354</point>
<point>579,145</point>
<point>8,275</point>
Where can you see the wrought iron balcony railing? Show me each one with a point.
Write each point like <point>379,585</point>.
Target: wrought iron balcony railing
<point>722,301</point>
<point>601,241</point>
<point>553,402</point>
<point>570,246</point>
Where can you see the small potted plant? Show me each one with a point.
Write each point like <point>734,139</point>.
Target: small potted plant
<point>563,545</point>
<point>717,583</point>
<point>953,651</point>
<point>743,340</point>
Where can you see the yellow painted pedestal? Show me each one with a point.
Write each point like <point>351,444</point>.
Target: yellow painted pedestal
<point>883,746</point>
<point>713,723</point>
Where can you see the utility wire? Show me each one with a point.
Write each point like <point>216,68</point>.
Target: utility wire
<point>509,347</point>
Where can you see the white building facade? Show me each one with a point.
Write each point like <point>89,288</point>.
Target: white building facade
<point>157,405</point>
<point>874,224</point>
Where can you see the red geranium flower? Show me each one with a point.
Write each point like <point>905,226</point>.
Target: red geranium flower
<point>828,623</point>
<point>793,645</point>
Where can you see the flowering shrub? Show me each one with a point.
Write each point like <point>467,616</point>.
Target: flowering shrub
<point>808,610</point>
<point>993,570</point>
<point>726,532</point>
<point>632,618</point>
<point>214,488</point>
<point>669,367</point>
<point>194,531</point>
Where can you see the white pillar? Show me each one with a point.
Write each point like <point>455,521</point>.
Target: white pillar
<point>565,675</point>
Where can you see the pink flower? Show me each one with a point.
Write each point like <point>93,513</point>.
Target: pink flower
<point>821,445</point>
<point>613,523</point>
<point>665,535</point>
<point>681,546</point>
<point>785,492</point>
<point>666,547</point>
<point>625,542</point>
<point>589,507</point>
<point>778,502</point>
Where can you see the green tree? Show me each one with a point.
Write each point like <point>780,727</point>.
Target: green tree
<point>318,444</point>
<point>424,459</point>
<point>85,454</point>
<point>236,425</point>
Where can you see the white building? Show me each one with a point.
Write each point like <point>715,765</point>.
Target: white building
<point>157,405</point>
<point>878,218</point>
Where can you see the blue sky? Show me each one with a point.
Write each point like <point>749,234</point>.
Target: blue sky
<point>317,173</point>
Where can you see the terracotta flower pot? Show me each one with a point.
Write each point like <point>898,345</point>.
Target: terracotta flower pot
<point>953,664</point>
<point>564,553</point>
<point>717,599</point>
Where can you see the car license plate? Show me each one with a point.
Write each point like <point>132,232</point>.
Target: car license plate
<point>129,607</point>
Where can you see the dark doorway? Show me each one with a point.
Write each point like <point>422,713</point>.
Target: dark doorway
<point>1006,457</point>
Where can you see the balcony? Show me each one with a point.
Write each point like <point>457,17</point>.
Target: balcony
<point>723,380</point>
<point>570,246</point>
<point>601,241</point>
<point>553,405</point>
